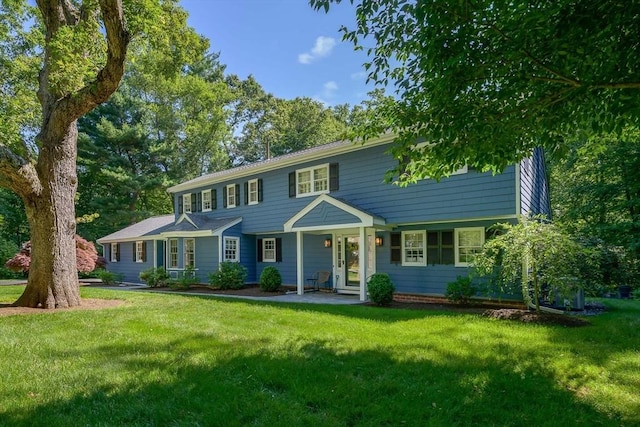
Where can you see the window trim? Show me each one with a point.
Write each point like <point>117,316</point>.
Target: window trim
<point>186,253</point>
<point>205,209</point>
<point>177,252</point>
<point>264,249</point>
<point>140,251</point>
<point>456,243</point>
<point>114,250</point>
<point>237,249</point>
<point>422,263</point>
<point>312,180</point>
<point>235,196</point>
<point>186,207</point>
<point>250,192</point>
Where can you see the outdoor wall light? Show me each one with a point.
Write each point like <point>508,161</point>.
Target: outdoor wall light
<point>327,243</point>
<point>379,241</point>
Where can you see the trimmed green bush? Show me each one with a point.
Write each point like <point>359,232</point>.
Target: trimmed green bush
<point>270,279</point>
<point>155,277</point>
<point>381,288</point>
<point>230,275</point>
<point>461,290</point>
<point>187,279</point>
<point>109,277</point>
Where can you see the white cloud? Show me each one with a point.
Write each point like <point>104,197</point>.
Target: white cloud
<point>329,90</point>
<point>321,49</point>
<point>359,75</point>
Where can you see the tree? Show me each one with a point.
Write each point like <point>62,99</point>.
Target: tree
<point>485,82</point>
<point>84,48</point>
<point>597,188</point>
<point>535,253</point>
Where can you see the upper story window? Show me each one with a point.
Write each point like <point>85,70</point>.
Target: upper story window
<point>468,242</point>
<point>252,192</point>
<point>186,203</point>
<point>232,196</point>
<point>206,201</point>
<point>314,180</point>
<point>115,252</point>
<point>413,248</point>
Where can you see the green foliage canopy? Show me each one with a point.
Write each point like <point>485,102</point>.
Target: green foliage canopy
<point>485,82</point>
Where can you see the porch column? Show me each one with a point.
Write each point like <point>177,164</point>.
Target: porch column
<point>155,253</point>
<point>363,263</point>
<point>299,262</point>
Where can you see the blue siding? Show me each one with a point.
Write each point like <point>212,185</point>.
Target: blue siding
<point>206,257</point>
<point>326,214</point>
<point>127,265</point>
<point>287,266</point>
<point>316,256</point>
<point>534,188</point>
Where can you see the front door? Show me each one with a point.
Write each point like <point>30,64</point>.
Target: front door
<point>348,263</point>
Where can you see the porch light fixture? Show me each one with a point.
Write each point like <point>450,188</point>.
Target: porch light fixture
<point>327,243</point>
<point>379,241</point>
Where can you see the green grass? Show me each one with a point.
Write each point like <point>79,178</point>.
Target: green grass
<point>169,360</point>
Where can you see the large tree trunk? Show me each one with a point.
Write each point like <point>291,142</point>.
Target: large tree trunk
<point>53,275</point>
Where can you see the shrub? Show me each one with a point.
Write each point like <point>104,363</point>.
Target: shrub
<point>636,294</point>
<point>109,277</point>
<point>230,275</point>
<point>270,279</point>
<point>187,279</point>
<point>155,277</point>
<point>380,288</point>
<point>461,290</point>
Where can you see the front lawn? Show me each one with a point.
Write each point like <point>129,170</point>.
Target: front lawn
<point>184,360</point>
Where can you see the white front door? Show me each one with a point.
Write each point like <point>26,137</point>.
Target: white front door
<point>348,262</point>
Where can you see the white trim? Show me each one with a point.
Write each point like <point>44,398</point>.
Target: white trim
<point>139,252</point>
<point>183,217</point>
<point>264,249</point>
<point>185,204</point>
<point>366,220</point>
<point>111,251</point>
<point>422,263</point>
<point>184,252</point>
<point>202,233</point>
<point>312,191</point>
<point>169,253</point>
<point>224,249</point>
<point>518,189</point>
<point>255,182</point>
<point>210,200</point>
<point>362,262</point>
<point>456,233</point>
<point>449,221</point>
<point>316,153</point>
<point>300,262</point>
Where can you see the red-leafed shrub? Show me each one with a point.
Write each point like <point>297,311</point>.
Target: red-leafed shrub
<point>87,258</point>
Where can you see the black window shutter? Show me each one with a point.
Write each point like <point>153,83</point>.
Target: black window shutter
<point>292,184</point>
<point>180,208</point>
<point>117,251</point>
<point>214,199</point>
<point>259,250</point>
<point>144,251</point>
<point>246,192</point>
<point>199,201</point>
<point>237,194</point>
<point>134,251</point>
<point>259,189</point>
<point>193,202</point>
<point>334,180</point>
<point>396,248</point>
<point>278,250</point>
<point>224,197</point>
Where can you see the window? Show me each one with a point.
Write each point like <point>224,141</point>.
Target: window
<point>268,250</point>
<point>413,246</point>
<point>232,196</point>
<point>173,253</point>
<point>140,251</point>
<point>189,253</point>
<point>252,192</point>
<point>440,247</point>
<point>206,200</point>
<point>312,181</point>
<point>115,252</point>
<point>231,249</point>
<point>468,242</point>
<point>186,203</point>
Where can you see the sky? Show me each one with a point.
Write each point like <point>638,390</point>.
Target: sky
<point>291,49</point>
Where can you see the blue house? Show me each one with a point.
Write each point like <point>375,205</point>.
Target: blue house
<point>327,209</point>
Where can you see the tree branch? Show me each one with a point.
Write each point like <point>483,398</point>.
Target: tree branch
<point>17,174</point>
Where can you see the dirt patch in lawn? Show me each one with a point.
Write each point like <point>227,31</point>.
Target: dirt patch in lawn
<point>85,304</point>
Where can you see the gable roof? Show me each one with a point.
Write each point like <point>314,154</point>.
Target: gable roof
<point>145,227</point>
<point>310,154</point>
<point>197,225</point>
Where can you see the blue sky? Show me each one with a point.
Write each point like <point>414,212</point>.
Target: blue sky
<point>288,47</point>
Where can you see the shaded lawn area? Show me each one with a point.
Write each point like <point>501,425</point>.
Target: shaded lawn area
<point>185,360</point>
